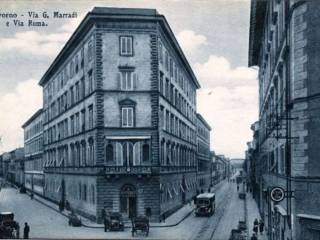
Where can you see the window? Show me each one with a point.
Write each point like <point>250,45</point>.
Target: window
<point>91,152</point>
<point>145,152</point>
<point>90,50</point>
<point>72,124</point>
<point>90,80</point>
<point>77,92</point>
<point>71,69</point>
<point>126,46</point>
<point>127,152</point>
<point>109,153</point>
<point>83,120</point>
<point>127,117</point>
<point>161,82</point>
<point>90,116</point>
<point>160,53</point>
<point>126,80</point>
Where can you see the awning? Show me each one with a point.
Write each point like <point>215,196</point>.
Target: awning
<point>309,216</point>
<point>126,137</point>
<point>175,190</point>
<point>182,189</point>
<point>59,187</point>
<point>168,190</point>
<point>281,210</point>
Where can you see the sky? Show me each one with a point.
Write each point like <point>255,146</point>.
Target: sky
<point>212,33</point>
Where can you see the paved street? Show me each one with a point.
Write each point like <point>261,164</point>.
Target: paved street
<point>230,209</point>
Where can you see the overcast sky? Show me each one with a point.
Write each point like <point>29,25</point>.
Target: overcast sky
<point>212,33</point>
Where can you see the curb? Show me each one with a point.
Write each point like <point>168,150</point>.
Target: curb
<point>217,186</point>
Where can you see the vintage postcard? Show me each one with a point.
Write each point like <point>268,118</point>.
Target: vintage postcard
<point>160,119</point>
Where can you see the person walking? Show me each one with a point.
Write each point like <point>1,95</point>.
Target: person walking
<point>26,231</point>
<point>255,229</point>
<point>253,237</point>
<point>261,226</point>
<point>237,188</point>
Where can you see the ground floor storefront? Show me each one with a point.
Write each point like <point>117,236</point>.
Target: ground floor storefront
<point>154,195</point>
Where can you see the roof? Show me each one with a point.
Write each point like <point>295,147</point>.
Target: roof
<point>257,17</point>
<point>206,195</point>
<point>36,114</point>
<point>199,116</point>
<point>98,13</point>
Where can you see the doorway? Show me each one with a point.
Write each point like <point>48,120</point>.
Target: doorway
<point>128,201</point>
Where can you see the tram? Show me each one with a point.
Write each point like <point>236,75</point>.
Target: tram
<point>205,204</point>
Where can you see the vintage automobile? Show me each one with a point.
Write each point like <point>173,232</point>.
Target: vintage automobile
<point>237,234</point>
<point>205,204</point>
<point>8,227</point>
<point>74,220</point>
<point>140,223</point>
<point>114,222</point>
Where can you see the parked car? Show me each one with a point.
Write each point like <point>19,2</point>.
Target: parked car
<point>114,222</point>
<point>74,220</point>
<point>140,223</point>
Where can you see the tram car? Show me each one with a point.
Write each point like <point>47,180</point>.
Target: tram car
<point>205,204</point>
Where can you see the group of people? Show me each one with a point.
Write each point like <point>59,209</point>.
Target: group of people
<point>258,226</point>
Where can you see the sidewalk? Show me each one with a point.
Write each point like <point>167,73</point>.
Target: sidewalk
<point>253,213</point>
<point>173,220</point>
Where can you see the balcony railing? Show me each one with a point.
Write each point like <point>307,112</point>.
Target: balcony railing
<point>127,170</point>
<point>178,168</point>
<point>74,170</point>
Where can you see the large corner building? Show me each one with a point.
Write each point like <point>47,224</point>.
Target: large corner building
<point>119,117</point>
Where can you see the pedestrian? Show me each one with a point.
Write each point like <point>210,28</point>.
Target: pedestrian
<point>31,195</point>
<point>237,188</point>
<point>256,222</point>
<point>253,237</point>
<point>103,213</point>
<point>106,223</point>
<point>255,229</point>
<point>26,231</point>
<point>261,226</point>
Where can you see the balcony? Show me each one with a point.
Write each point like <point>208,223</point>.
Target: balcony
<point>90,170</point>
<point>127,170</point>
<point>178,169</point>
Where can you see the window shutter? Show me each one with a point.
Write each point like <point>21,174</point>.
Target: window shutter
<point>137,154</point>
<point>135,80</point>
<point>118,81</point>
<point>119,158</point>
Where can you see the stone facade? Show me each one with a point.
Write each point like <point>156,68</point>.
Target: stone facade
<point>120,118</point>
<point>284,44</point>
<point>203,154</point>
<point>33,153</point>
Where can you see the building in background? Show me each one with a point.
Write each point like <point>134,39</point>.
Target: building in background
<point>204,158</point>
<point>13,168</point>
<point>33,153</point>
<point>284,44</point>
<point>119,117</point>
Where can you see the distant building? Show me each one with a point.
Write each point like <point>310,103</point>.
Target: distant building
<point>284,44</point>
<point>33,151</point>
<point>203,153</point>
<point>14,166</point>
<point>119,117</point>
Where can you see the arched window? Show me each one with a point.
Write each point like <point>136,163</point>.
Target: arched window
<point>145,152</point>
<point>83,154</point>
<point>109,152</point>
<point>91,152</point>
